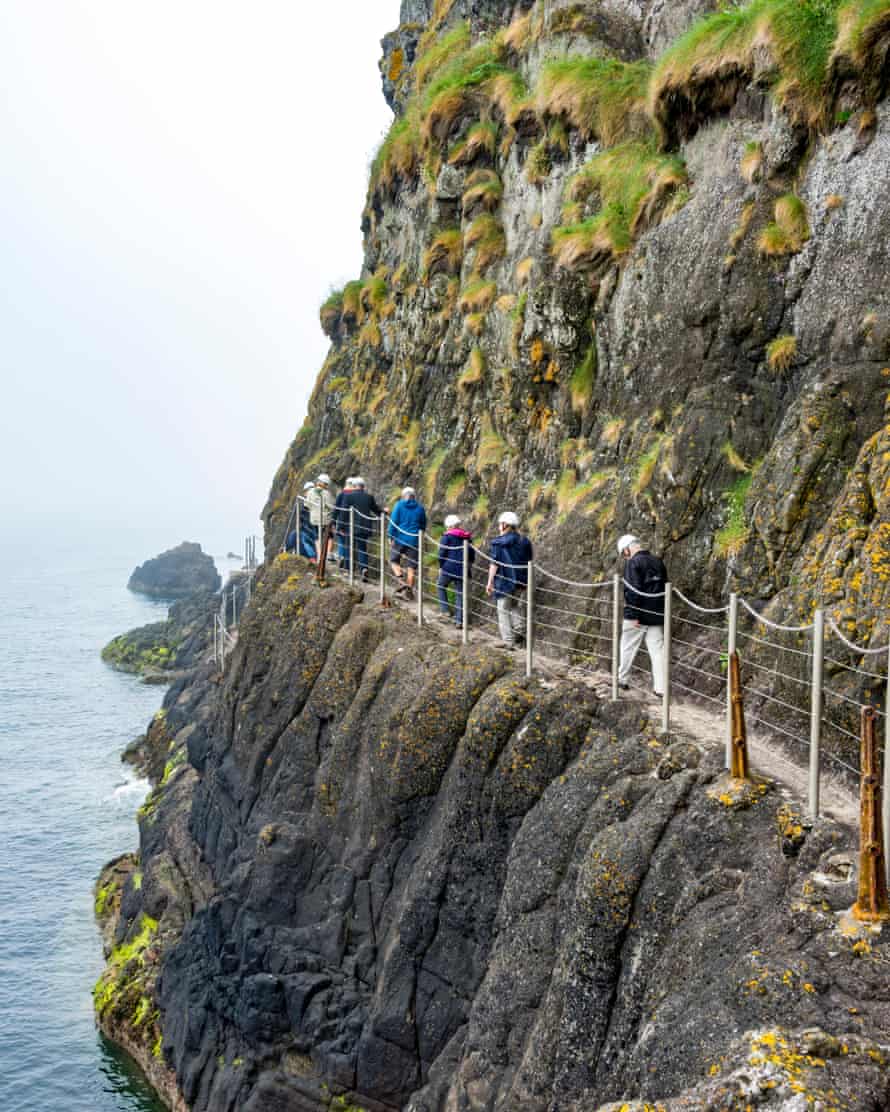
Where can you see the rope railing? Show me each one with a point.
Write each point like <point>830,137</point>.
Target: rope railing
<point>798,694</point>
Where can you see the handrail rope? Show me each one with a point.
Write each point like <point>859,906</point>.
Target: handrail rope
<point>773,644</point>
<point>698,648</point>
<point>642,594</point>
<point>572,582</point>
<point>775,699</point>
<point>826,721</point>
<point>773,672</point>
<point>699,694</point>
<point>853,668</point>
<point>695,606</point>
<point>775,625</point>
<point>832,625</point>
<point>853,702</point>
<point>699,625</point>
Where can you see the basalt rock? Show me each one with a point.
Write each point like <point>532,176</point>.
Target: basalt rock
<point>396,875</point>
<point>176,573</point>
<point>161,651</point>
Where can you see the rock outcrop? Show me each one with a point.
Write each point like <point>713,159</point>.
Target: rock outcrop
<point>391,875</point>
<point>176,573</point>
<point>161,650</point>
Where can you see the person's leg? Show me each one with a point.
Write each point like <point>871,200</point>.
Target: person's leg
<point>458,602</point>
<point>343,549</point>
<point>655,647</point>
<point>631,638</point>
<point>442,592</point>
<point>395,562</point>
<point>517,617</point>
<point>505,625</point>
<point>411,557</point>
<point>361,548</point>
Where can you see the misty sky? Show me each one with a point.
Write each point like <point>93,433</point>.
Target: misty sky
<point>180,185</point>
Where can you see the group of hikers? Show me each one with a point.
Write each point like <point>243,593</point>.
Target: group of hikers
<point>325,519</point>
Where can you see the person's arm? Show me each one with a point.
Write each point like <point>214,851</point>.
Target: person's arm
<point>394,519</point>
<point>489,586</point>
<point>422,525</point>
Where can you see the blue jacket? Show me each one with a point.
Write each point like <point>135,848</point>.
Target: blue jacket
<point>451,553</point>
<point>515,551</point>
<point>407,520</point>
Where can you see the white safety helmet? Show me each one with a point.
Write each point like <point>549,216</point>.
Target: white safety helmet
<point>626,541</point>
<point>349,482</point>
<point>509,518</point>
<point>408,492</point>
<point>358,481</point>
<point>323,479</point>
<point>451,521</point>
<point>308,485</point>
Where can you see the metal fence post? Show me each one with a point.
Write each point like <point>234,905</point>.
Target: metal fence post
<point>730,649</point>
<point>666,678</point>
<point>382,565</point>
<point>420,578</point>
<point>351,545</point>
<point>465,595</point>
<point>616,633</point>
<point>816,710</point>
<point>885,802</point>
<point>234,604</point>
<point>530,621</point>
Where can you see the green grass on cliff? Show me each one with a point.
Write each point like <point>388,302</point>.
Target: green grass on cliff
<point>603,98</point>
<point>864,25</point>
<point>636,186</point>
<point>731,538</point>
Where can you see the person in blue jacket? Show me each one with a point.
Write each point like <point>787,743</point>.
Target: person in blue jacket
<point>451,567</point>
<point>407,521</point>
<point>511,554</point>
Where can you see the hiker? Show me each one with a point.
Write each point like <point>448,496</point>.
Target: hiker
<point>407,521</point>
<point>308,532</point>
<point>644,576</point>
<point>451,567</point>
<point>321,507</point>
<point>341,524</point>
<point>511,554</point>
<point>366,513</point>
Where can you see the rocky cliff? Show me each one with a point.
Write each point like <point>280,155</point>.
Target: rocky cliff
<point>176,573</point>
<point>626,265</point>
<point>384,874</point>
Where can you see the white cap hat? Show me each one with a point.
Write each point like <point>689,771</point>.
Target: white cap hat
<point>358,481</point>
<point>308,485</point>
<point>509,518</point>
<point>626,541</point>
<point>408,492</point>
<point>348,482</point>
<point>324,479</point>
<point>451,521</point>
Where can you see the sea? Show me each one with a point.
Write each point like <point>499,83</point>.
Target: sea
<point>67,805</point>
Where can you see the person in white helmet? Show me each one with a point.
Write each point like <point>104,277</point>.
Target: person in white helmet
<point>511,554</point>
<point>407,521</point>
<point>321,509</point>
<point>451,567</point>
<point>645,577</point>
<point>308,532</point>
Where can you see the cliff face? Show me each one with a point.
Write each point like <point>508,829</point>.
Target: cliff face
<point>618,277</point>
<point>618,273</point>
<point>397,875</point>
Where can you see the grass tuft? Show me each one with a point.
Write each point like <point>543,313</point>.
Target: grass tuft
<point>445,253</point>
<point>781,352</point>
<point>603,98</point>
<point>484,189</point>
<point>751,165</point>
<point>480,140</point>
<point>486,236</point>
<point>474,371</point>
<point>730,540</point>
<point>583,376</point>
<point>478,297</point>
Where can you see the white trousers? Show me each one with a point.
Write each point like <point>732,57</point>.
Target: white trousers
<point>510,619</point>
<point>632,636</point>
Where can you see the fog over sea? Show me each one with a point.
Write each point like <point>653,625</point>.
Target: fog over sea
<point>67,805</point>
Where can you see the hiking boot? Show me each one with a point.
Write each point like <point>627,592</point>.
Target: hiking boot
<point>364,575</point>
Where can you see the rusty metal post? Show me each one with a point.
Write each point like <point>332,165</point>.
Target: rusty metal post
<point>871,905</point>
<point>738,768</point>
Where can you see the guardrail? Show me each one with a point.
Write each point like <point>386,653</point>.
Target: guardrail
<point>806,685</point>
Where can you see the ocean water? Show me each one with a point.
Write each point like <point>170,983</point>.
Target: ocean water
<point>67,805</point>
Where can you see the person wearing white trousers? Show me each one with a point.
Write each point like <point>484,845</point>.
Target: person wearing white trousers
<point>632,636</point>
<point>645,578</point>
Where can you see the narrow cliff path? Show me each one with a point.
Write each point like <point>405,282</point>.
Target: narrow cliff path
<point>688,720</point>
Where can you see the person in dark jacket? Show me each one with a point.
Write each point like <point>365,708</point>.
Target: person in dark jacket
<point>511,553</point>
<point>407,521</point>
<point>366,513</point>
<point>341,523</point>
<point>451,567</point>
<point>645,577</point>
